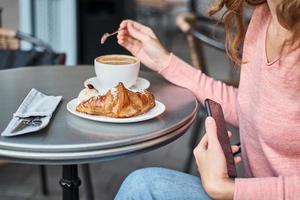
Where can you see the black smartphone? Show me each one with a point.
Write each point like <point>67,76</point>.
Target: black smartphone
<point>215,111</point>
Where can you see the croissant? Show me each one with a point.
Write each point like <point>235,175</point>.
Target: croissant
<point>121,103</point>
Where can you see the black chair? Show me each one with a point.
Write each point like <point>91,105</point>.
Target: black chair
<point>200,31</point>
<point>21,58</point>
<point>11,56</point>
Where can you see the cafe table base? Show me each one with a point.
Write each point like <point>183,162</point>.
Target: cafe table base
<point>70,182</point>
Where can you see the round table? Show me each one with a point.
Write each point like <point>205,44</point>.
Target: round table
<point>70,140</point>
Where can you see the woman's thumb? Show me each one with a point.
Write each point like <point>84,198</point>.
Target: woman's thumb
<point>211,129</point>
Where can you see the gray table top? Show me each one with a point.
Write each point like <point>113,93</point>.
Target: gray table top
<point>70,139</point>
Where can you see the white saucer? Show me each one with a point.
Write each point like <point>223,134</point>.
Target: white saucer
<point>141,84</point>
<point>158,109</point>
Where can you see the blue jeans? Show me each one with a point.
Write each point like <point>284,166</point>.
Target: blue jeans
<point>161,184</point>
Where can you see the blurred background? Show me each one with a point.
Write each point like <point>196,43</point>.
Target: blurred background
<point>74,27</point>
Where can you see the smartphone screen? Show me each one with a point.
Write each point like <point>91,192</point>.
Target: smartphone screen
<point>214,110</point>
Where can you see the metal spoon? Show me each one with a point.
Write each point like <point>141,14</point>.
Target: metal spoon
<point>106,35</point>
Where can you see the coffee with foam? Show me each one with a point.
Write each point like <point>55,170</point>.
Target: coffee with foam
<point>116,59</point>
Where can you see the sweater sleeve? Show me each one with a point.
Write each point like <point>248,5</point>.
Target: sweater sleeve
<point>182,74</point>
<point>277,188</point>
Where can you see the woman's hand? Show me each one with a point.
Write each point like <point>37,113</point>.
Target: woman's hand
<point>143,43</point>
<point>212,164</point>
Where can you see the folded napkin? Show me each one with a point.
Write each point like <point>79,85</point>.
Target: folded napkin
<point>36,104</point>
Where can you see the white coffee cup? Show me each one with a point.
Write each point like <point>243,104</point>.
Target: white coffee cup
<point>115,68</point>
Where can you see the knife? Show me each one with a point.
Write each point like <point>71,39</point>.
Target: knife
<point>22,124</point>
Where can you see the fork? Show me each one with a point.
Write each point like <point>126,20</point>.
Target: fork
<point>29,121</point>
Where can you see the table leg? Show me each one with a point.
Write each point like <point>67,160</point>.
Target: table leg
<point>70,182</point>
<point>43,177</point>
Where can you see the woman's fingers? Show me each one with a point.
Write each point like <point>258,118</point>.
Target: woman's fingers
<point>237,160</point>
<point>122,37</point>
<point>123,32</point>
<point>211,131</point>
<point>140,27</point>
<point>123,41</point>
<point>135,33</point>
<point>202,146</point>
<point>144,29</point>
<point>229,134</point>
<point>235,148</point>
<point>203,142</point>
<point>126,40</point>
<point>131,44</point>
<point>123,24</point>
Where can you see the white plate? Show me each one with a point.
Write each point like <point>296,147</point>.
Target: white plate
<point>141,84</point>
<point>154,112</point>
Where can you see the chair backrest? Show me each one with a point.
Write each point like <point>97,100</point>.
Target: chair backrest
<point>8,39</point>
<point>160,4</point>
<point>12,56</point>
<point>186,23</point>
<point>20,58</point>
<point>199,31</point>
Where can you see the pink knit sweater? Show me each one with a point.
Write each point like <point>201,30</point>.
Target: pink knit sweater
<point>266,108</point>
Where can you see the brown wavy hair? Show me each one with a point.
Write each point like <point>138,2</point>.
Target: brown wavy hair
<point>288,14</point>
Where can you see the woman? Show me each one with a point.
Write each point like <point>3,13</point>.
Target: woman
<point>266,107</point>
